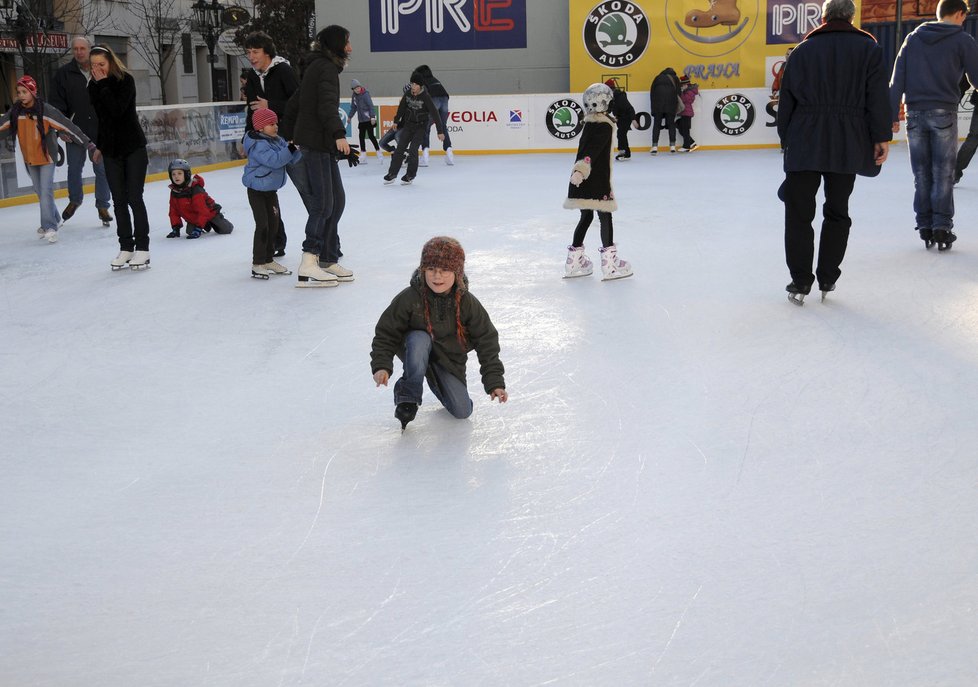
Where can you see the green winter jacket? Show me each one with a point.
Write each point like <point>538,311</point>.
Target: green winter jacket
<point>406,313</point>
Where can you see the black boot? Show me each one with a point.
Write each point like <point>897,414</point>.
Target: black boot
<point>405,412</point>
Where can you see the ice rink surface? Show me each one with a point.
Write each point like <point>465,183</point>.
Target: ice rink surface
<point>693,483</point>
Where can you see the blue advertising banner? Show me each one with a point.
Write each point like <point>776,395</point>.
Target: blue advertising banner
<point>788,21</point>
<point>405,25</point>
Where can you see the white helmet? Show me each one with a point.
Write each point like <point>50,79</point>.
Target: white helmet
<point>597,98</point>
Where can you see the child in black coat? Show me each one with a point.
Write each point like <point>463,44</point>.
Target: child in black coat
<point>590,189</point>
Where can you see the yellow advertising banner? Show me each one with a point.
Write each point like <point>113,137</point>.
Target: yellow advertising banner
<point>725,44</point>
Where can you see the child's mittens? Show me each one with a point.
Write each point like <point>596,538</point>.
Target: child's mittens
<point>174,232</point>
<point>577,178</point>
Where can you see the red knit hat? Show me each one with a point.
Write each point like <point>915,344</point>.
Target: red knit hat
<point>262,117</point>
<point>29,83</point>
<point>611,83</point>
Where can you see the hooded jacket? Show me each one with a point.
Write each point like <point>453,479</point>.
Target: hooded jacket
<point>406,313</point>
<point>276,85</point>
<point>267,158</point>
<point>192,204</point>
<point>929,65</point>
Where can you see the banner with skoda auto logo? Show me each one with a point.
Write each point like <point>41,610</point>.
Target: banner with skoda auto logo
<point>719,44</point>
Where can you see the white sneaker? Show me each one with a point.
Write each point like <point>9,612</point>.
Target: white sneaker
<point>121,260</point>
<point>51,235</point>
<point>140,260</point>
<point>423,162</point>
<point>338,271</point>
<point>449,157</point>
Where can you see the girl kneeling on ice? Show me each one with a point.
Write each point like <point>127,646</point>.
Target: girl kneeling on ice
<point>590,188</point>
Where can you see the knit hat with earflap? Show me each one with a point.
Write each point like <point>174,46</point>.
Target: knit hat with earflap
<point>29,83</point>
<point>262,117</point>
<point>444,252</point>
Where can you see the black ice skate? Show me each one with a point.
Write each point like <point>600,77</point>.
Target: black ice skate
<point>944,238</point>
<point>69,211</point>
<point>104,216</point>
<point>797,293</point>
<point>405,413</point>
<point>626,155</point>
<point>406,179</point>
<point>927,236</point>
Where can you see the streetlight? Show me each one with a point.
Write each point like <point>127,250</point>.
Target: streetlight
<point>208,18</point>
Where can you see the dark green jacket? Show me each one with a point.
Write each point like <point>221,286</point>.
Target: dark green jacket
<point>406,313</point>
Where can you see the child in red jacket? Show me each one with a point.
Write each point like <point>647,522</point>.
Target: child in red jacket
<point>190,202</point>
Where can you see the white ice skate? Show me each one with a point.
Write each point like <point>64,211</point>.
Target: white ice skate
<point>50,235</point>
<point>578,264</point>
<point>423,162</point>
<point>121,261</point>
<point>259,271</point>
<point>449,157</point>
<point>612,266</point>
<point>275,268</point>
<point>311,275</point>
<point>337,270</point>
<point>140,260</point>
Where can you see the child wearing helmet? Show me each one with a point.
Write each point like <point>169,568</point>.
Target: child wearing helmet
<point>190,203</point>
<point>590,189</point>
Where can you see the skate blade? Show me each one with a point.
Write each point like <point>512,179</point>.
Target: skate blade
<point>254,275</point>
<point>579,274</point>
<point>116,268</point>
<point>617,277</point>
<point>315,284</point>
<point>281,274</point>
<point>139,268</point>
<point>796,299</point>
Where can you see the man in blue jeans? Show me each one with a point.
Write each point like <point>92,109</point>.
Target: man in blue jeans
<point>926,76</point>
<point>70,95</point>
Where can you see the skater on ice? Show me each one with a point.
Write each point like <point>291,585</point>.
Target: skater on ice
<point>439,96</point>
<point>926,75</point>
<point>69,93</point>
<point>431,326</point>
<point>414,115</point>
<point>832,122</point>
<point>624,113</point>
<point>362,107</point>
<point>590,189</point>
<point>684,121</point>
<point>190,203</point>
<point>264,174</point>
<point>36,125</point>
<point>113,94</point>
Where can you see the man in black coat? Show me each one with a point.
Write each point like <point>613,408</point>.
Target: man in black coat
<point>271,82</point>
<point>624,114</point>
<point>834,122</point>
<point>69,93</point>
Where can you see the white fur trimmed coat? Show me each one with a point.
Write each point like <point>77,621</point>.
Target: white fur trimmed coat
<point>594,164</point>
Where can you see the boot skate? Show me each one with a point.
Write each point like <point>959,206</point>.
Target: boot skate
<point>926,235</point>
<point>275,268</point>
<point>259,271</point>
<point>423,162</point>
<point>612,266</point>
<point>578,264</point>
<point>104,216</point>
<point>943,238</point>
<point>121,261</point>
<point>449,157</point>
<point>624,155</point>
<point>69,211</point>
<point>337,270</point>
<point>311,275</point>
<point>825,289</point>
<point>140,260</point>
<point>51,235</point>
<point>797,293</point>
<point>723,12</point>
<point>405,412</point>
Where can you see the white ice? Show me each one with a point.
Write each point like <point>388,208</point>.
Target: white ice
<point>693,483</point>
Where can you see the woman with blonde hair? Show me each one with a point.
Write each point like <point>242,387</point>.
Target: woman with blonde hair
<point>112,91</point>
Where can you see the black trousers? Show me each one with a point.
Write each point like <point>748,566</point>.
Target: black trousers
<point>798,193</point>
<point>264,206</point>
<point>408,140</point>
<point>127,177</point>
<point>658,118</point>
<point>684,125</point>
<point>367,129</point>
<point>624,124</point>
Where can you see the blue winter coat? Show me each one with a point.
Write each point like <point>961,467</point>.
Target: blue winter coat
<point>267,158</point>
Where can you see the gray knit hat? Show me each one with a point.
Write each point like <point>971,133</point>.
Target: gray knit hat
<point>354,84</point>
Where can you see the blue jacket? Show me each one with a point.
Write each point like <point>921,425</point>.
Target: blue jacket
<point>929,66</point>
<point>267,158</point>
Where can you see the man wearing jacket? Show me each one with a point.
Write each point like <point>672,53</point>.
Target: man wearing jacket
<point>833,122</point>
<point>926,75</point>
<point>69,94</point>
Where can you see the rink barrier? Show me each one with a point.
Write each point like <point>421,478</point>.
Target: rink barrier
<point>208,135</point>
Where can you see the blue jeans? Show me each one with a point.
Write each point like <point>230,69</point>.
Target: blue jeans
<point>42,178</point>
<point>441,104</point>
<point>933,139</point>
<point>446,387</point>
<point>326,200</point>
<point>76,162</point>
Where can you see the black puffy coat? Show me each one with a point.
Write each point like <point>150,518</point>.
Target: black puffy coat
<point>834,102</point>
<point>317,124</point>
<point>664,92</point>
<point>280,83</point>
